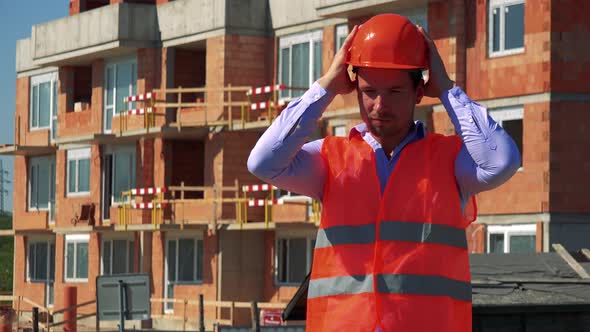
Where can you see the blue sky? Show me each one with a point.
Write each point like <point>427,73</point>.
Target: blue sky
<point>16,19</point>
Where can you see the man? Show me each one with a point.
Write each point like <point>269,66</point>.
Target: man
<point>391,252</point>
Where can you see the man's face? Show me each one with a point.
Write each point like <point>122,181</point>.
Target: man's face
<point>386,99</point>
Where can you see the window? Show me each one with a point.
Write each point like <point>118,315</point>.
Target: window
<point>506,27</point>
<point>184,264</point>
<point>339,131</point>
<point>76,257</point>
<point>78,181</point>
<point>512,239</point>
<point>43,101</point>
<point>120,82</point>
<point>117,256</point>
<point>341,33</point>
<point>41,188</point>
<point>41,265</point>
<point>41,261</point>
<point>510,119</point>
<point>300,61</point>
<point>293,258</point>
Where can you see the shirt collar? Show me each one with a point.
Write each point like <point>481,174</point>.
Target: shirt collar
<point>362,130</point>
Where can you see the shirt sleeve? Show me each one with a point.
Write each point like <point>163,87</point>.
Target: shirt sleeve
<point>488,156</point>
<point>283,156</point>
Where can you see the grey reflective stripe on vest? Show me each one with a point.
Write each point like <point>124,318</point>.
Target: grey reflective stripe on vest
<point>336,235</point>
<point>423,285</point>
<point>422,232</point>
<point>340,285</point>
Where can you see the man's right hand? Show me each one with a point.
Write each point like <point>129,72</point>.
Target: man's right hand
<point>336,81</point>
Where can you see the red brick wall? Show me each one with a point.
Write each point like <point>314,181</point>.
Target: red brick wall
<point>570,63</point>
<point>513,75</point>
<point>569,162</point>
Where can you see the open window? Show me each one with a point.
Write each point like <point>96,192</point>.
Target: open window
<point>511,120</point>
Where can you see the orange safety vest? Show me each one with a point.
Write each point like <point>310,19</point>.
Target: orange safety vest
<point>397,262</point>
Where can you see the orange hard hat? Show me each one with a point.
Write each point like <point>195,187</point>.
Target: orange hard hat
<point>388,41</point>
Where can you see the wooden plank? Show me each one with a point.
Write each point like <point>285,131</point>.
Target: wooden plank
<point>34,304</point>
<point>204,89</point>
<point>272,305</point>
<point>73,307</point>
<point>571,261</point>
<point>7,232</point>
<point>243,305</point>
<point>251,226</point>
<point>586,252</point>
<point>167,317</point>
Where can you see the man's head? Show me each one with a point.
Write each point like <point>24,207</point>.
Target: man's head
<point>388,54</point>
<point>387,98</point>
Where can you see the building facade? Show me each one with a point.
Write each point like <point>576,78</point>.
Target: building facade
<point>82,142</point>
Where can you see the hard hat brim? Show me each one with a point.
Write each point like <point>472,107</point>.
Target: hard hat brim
<point>383,65</point>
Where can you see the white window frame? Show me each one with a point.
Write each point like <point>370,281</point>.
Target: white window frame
<point>309,236</point>
<point>36,161</point>
<point>506,114</point>
<point>509,230</point>
<point>341,31</point>
<point>114,64</point>
<point>175,238</point>
<point>77,155</point>
<point>310,37</point>
<point>130,250</point>
<point>75,239</point>
<point>501,6</point>
<point>37,80</point>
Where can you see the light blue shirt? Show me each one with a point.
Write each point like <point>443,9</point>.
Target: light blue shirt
<point>284,157</point>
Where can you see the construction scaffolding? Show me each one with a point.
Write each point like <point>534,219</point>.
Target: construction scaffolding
<point>169,205</point>
<point>247,99</point>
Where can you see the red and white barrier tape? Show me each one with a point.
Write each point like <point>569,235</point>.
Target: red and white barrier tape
<point>260,202</point>
<point>149,205</point>
<point>257,187</point>
<point>139,111</point>
<point>265,104</point>
<point>147,191</point>
<point>265,89</point>
<point>140,97</point>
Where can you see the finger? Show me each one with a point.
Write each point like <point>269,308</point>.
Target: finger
<point>349,38</point>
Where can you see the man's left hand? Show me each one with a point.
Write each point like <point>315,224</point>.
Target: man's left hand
<point>438,81</point>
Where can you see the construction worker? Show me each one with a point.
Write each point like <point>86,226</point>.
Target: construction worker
<point>391,251</point>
